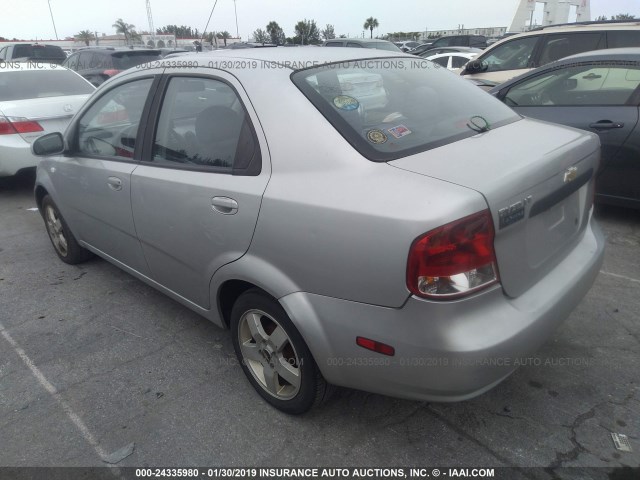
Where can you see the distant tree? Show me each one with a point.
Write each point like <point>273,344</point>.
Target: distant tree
<point>182,31</point>
<point>329,32</point>
<point>623,16</point>
<point>276,33</point>
<point>342,36</point>
<point>224,36</point>
<point>602,18</point>
<point>85,36</point>
<point>125,28</point>
<point>306,32</point>
<point>260,36</point>
<point>370,24</point>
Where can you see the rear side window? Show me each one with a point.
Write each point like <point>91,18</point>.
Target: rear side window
<point>125,60</point>
<point>561,45</point>
<point>46,52</point>
<point>388,108</point>
<point>458,61</point>
<point>21,85</point>
<point>354,45</point>
<point>203,124</point>
<point>513,55</point>
<point>622,39</point>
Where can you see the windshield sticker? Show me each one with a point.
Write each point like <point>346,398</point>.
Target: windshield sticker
<point>399,131</point>
<point>376,136</point>
<point>344,102</point>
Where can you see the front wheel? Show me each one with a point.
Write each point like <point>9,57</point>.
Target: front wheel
<point>273,355</point>
<point>64,243</point>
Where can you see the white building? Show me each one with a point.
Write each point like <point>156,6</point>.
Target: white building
<point>554,12</point>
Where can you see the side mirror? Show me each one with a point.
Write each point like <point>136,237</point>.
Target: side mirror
<point>50,144</point>
<point>474,66</point>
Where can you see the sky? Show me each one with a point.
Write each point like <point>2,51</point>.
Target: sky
<point>20,20</point>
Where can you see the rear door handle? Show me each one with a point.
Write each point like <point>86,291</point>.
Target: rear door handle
<point>224,205</point>
<point>114,183</point>
<point>606,125</point>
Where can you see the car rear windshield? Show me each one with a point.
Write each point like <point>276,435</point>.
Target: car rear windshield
<point>388,108</point>
<point>21,85</point>
<point>124,60</point>
<point>38,51</point>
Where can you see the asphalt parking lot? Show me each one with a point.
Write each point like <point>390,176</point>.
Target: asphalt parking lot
<point>95,364</point>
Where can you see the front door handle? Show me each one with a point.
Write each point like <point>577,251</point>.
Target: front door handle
<point>224,205</point>
<point>114,183</point>
<point>606,125</point>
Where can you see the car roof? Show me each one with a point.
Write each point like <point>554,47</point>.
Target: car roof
<point>361,40</point>
<point>569,27</point>
<point>302,57</point>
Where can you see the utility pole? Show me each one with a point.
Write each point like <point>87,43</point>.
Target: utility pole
<point>235,8</point>
<point>152,30</point>
<point>54,23</point>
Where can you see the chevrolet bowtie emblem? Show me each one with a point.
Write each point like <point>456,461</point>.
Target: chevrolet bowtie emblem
<point>570,174</point>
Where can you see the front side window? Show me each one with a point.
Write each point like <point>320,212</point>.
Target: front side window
<point>202,124</point>
<point>388,108</point>
<point>458,61</point>
<point>442,61</point>
<point>513,55</point>
<point>583,85</point>
<point>110,127</point>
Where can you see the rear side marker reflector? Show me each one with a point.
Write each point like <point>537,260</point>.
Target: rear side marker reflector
<point>377,347</point>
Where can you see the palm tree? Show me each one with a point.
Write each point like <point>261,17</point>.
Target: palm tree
<point>125,28</point>
<point>224,36</point>
<point>85,36</point>
<point>370,24</point>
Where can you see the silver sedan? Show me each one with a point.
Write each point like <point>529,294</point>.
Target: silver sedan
<point>419,245</point>
<point>35,99</point>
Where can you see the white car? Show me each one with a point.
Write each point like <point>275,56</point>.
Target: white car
<point>452,60</point>
<point>35,99</point>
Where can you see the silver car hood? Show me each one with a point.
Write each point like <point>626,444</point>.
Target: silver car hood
<point>525,172</point>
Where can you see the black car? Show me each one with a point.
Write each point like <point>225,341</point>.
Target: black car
<point>34,52</point>
<point>99,64</point>
<point>474,41</point>
<point>594,91</point>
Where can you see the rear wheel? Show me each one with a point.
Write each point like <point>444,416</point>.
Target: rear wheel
<point>64,243</point>
<point>274,356</point>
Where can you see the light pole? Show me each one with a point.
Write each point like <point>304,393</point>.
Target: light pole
<point>54,23</point>
<point>235,8</point>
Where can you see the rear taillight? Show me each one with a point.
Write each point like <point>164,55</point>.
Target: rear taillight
<point>453,260</point>
<point>13,125</point>
<point>111,72</point>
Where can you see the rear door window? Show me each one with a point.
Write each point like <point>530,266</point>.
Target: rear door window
<point>203,124</point>
<point>458,61</point>
<point>622,39</point>
<point>561,45</point>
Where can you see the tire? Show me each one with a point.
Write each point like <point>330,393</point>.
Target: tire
<point>63,241</point>
<point>273,355</point>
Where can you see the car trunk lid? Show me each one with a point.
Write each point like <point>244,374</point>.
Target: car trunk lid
<point>52,114</point>
<point>537,179</point>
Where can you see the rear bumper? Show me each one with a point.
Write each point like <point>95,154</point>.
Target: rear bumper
<point>444,351</point>
<point>15,155</point>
